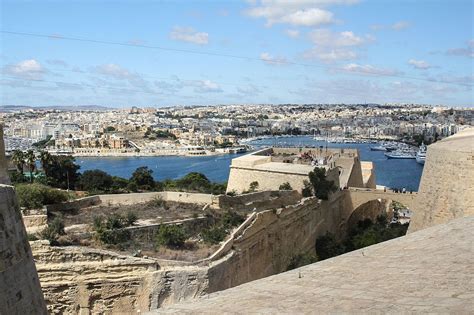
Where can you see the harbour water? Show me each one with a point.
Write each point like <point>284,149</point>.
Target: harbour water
<point>395,173</point>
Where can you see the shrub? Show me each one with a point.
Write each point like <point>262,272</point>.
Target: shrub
<point>31,237</point>
<point>231,219</point>
<point>131,218</point>
<point>111,230</point>
<point>213,235</point>
<point>327,247</point>
<point>253,186</point>
<point>33,196</point>
<point>285,186</point>
<point>53,231</point>
<point>132,186</point>
<point>172,236</point>
<point>307,191</point>
<point>157,201</point>
<point>301,260</point>
<point>52,196</point>
<point>119,183</point>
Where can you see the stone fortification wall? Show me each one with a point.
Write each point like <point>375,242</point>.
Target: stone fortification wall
<point>274,237</point>
<point>20,291</point>
<point>134,198</point>
<point>368,174</point>
<point>447,184</point>
<point>4,179</point>
<point>85,279</point>
<point>77,280</point>
<point>74,204</point>
<point>260,200</point>
<point>35,222</point>
<point>240,179</point>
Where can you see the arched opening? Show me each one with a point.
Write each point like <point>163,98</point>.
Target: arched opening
<point>372,222</point>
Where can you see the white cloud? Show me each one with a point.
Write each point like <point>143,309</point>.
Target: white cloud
<point>400,25</point>
<point>377,27</point>
<point>188,34</point>
<point>114,71</point>
<point>57,62</point>
<point>332,46</point>
<point>309,17</point>
<point>369,70</point>
<point>292,33</point>
<point>249,90</point>
<point>331,55</point>
<point>204,86</point>
<point>419,64</point>
<point>27,69</point>
<point>272,60</point>
<point>464,51</point>
<point>295,12</point>
<point>120,73</point>
<point>325,37</point>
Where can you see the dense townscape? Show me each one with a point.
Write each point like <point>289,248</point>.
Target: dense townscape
<point>203,130</point>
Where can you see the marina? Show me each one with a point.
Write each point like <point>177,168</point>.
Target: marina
<point>394,173</point>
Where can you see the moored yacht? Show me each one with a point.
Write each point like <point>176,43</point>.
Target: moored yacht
<point>421,154</point>
<point>398,154</point>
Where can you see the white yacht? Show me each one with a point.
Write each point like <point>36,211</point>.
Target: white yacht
<point>421,154</point>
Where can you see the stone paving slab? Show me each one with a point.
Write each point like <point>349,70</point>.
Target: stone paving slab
<point>429,271</point>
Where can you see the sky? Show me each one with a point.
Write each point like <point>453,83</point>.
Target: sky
<point>166,53</point>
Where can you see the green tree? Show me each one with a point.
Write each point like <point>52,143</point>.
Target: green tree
<point>143,178</point>
<point>63,172</point>
<point>18,158</point>
<point>45,159</point>
<point>194,182</point>
<point>95,181</point>
<point>322,187</point>
<point>30,159</point>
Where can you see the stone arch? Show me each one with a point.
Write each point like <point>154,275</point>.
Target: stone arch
<point>359,197</point>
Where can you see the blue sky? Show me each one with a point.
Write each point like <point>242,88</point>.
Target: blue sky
<point>262,51</point>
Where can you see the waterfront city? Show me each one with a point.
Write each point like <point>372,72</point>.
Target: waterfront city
<point>236,157</point>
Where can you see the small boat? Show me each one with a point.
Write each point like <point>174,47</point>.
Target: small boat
<point>385,147</point>
<point>400,155</point>
<point>421,154</point>
<point>378,148</point>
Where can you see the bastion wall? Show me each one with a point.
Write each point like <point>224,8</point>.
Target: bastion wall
<point>20,291</point>
<point>447,184</point>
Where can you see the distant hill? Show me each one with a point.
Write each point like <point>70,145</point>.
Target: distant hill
<point>13,108</point>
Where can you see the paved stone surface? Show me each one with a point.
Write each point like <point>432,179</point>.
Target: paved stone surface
<point>429,271</point>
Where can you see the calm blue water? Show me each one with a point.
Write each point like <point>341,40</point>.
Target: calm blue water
<point>389,172</point>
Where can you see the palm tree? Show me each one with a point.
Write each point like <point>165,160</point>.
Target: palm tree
<point>31,161</point>
<point>46,159</point>
<point>18,158</point>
